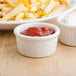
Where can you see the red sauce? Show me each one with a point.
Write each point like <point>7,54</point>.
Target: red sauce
<point>38,31</point>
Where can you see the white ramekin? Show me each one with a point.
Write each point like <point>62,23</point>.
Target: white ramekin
<point>68,32</point>
<point>36,46</point>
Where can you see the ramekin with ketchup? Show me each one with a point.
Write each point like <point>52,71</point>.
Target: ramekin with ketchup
<point>37,39</point>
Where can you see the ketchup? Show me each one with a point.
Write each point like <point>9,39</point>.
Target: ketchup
<point>38,31</point>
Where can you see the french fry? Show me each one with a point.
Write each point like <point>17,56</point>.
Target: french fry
<point>31,16</point>
<point>34,8</point>
<point>3,13</point>
<point>58,10</point>
<point>6,9</point>
<point>33,1</point>
<point>2,5</point>
<point>14,12</point>
<point>11,2</point>
<point>44,1</point>
<point>19,16</point>
<point>57,4</point>
<point>49,7</point>
<point>43,7</point>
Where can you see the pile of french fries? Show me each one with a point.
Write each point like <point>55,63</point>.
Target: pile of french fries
<point>17,10</point>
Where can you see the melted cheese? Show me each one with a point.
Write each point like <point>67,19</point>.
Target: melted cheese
<point>48,1</point>
<point>25,2</point>
<point>39,2</point>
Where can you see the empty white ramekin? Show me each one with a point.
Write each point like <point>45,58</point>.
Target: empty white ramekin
<point>36,46</point>
<point>68,32</point>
